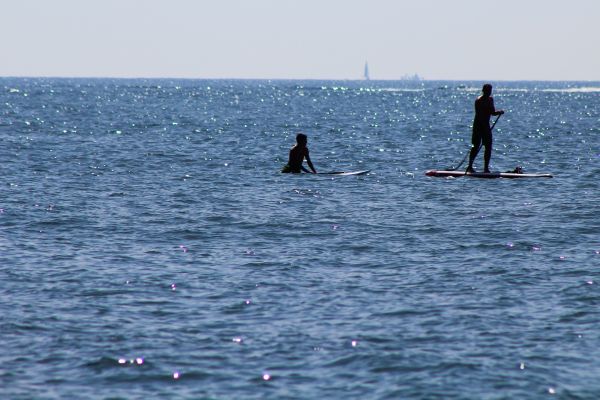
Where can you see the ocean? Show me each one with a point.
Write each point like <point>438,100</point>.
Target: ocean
<point>150,247</point>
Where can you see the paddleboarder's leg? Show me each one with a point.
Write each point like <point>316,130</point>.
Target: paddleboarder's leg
<point>487,155</point>
<point>475,146</point>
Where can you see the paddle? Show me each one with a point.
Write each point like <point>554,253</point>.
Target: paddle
<point>469,152</point>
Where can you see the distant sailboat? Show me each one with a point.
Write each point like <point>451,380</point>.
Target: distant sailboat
<point>367,77</point>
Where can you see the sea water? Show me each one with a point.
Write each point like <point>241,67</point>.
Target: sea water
<point>150,248</point>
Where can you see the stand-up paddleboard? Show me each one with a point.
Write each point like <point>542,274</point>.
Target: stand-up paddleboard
<point>345,173</point>
<point>489,175</point>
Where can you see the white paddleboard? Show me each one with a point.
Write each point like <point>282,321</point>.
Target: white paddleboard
<point>489,175</point>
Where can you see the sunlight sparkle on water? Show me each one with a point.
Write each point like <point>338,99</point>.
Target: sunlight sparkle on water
<point>138,361</point>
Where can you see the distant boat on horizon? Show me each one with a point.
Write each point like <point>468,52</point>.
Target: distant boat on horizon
<point>366,75</point>
<point>414,77</point>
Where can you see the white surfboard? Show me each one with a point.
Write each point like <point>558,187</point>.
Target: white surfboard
<point>345,173</point>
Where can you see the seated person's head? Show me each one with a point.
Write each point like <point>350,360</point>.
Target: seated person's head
<point>301,138</point>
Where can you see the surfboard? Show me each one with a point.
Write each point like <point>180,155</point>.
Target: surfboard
<point>488,175</point>
<point>345,173</point>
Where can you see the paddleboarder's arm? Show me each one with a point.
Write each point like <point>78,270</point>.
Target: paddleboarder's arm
<point>493,109</point>
<point>309,162</point>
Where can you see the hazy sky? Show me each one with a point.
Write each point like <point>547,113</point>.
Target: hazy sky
<point>328,39</point>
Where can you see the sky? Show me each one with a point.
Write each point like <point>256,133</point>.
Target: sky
<point>302,39</point>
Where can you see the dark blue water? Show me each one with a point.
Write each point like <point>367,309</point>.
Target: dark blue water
<point>149,247</point>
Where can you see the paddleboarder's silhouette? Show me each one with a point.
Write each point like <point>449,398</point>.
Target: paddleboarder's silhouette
<point>482,133</point>
<point>297,155</point>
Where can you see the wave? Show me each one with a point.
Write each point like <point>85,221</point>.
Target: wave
<point>400,90</point>
<point>590,89</point>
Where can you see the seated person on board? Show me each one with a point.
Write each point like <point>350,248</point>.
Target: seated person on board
<point>297,155</point>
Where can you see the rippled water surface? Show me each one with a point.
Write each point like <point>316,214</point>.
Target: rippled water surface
<point>150,248</point>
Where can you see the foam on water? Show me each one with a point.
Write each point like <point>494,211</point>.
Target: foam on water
<point>575,90</point>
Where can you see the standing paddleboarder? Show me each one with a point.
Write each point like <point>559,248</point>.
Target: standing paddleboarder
<point>482,133</point>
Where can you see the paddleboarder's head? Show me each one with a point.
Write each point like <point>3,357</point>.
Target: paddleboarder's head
<point>487,89</point>
<point>301,139</point>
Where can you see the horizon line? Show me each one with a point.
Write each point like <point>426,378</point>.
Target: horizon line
<point>290,79</point>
